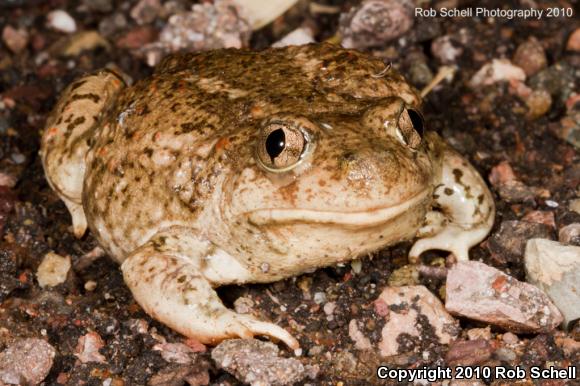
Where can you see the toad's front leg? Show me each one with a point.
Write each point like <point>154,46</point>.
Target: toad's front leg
<point>170,277</point>
<point>463,210</point>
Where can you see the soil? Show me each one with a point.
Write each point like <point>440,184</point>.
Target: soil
<point>488,124</point>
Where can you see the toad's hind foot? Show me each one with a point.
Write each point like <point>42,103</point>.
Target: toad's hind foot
<point>465,212</point>
<point>166,277</point>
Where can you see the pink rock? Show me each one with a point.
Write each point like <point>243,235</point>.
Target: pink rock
<point>175,352</point>
<point>407,304</point>
<point>497,71</point>
<point>28,361</point>
<point>502,173</point>
<point>15,39</point>
<point>545,217</point>
<point>478,291</point>
<point>445,50</point>
<point>574,41</point>
<point>88,346</point>
<point>469,353</point>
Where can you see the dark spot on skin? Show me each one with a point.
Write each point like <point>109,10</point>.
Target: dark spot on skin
<point>94,97</point>
<point>448,191</point>
<point>159,243</point>
<point>458,174</point>
<point>77,84</point>
<point>480,199</point>
<point>181,279</point>
<point>148,151</point>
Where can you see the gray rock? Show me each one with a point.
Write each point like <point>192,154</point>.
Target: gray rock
<point>507,245</point>
<point>530,56</point>
<point>375,22</point>
<point>555,268</point>
<point>557,79</point>
<point>27,361</point>
<point>570,234</point>
<point>480,292</point>
<point>258,363</point>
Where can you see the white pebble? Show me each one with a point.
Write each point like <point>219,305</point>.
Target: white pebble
<point>319,297</point>
<point>90,285</point>
<point>61,21</point>
<point>552,204</point>
<point>53,270</point>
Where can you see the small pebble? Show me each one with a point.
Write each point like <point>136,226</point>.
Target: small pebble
<point>53,270</point>
<point>552,204</point>
<point>319,297</point>
<point>145,11</point>
<point>446,50</point>
<point>539,103</point>
<point>15,39</point>
<point>375,22</point>
<point>18,158</point>
<point>243,305</point>
<point>329,308</point>
<point>298,37</point>
<point>479,333</point>
<point>497,71</point>
<point>510,338</point>
<point>90,285</point>
<point>570,234</point>
<point>61,21</point>
<point>505,354</point>
<point>530,56</point>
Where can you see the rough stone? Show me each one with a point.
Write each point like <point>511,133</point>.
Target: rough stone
<point>497,71</point>
<point>555,268</point>
<point>27,361</point>
<point>375,22</point>
<point>530,56</point>
<point>258,363</point>
<point>413,310</point>
<point>469,353</point>
<point>480,292</point>
<point>508,244</point>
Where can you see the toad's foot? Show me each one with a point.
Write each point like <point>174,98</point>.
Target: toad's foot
<point>170,278</point>
<point>465,211</point>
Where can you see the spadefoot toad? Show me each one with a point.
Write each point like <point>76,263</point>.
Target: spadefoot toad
<point>236,167</point>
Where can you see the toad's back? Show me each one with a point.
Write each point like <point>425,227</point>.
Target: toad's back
<point>153,159</point>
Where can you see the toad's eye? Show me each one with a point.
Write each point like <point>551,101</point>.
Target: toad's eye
<point>411,127</point>
<point>281,146</point>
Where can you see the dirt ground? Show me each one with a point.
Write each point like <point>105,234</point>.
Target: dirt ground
<point>488,124</point>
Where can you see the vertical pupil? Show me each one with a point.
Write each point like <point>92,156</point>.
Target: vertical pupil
<point>275,143</point>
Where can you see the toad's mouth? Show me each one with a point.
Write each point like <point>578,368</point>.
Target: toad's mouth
<point>364,218</point>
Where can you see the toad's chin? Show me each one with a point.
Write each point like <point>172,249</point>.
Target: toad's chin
<point>355,219</point>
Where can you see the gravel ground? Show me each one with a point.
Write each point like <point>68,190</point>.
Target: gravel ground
<point>521,134</point>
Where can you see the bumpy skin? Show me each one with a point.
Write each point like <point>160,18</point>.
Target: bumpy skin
<point>168,176</point>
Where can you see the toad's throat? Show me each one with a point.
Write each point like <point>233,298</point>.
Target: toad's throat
<point>366,218</point>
